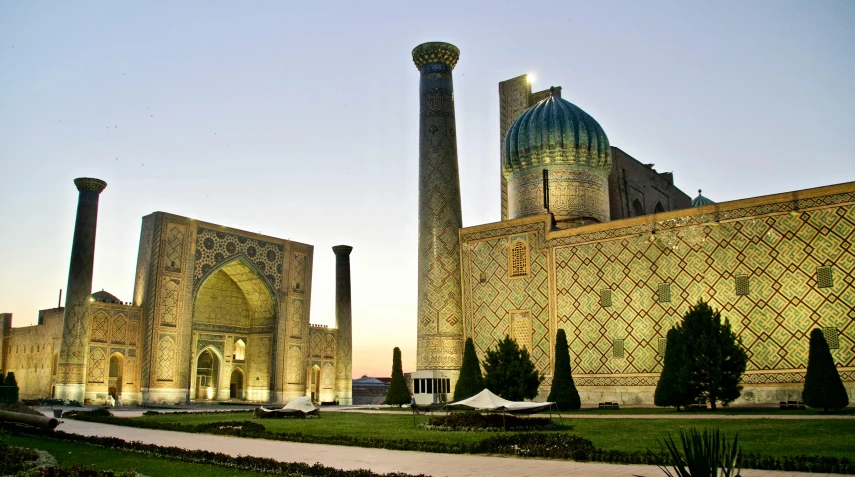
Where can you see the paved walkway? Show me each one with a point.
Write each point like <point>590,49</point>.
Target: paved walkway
<point>381,460</point>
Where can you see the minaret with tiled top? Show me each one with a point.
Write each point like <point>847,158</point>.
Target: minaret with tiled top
<point>440,325</point>
<point>71,372</point>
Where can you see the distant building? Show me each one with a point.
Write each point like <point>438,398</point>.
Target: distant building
<point>368,390</point>
<point>217,314</point>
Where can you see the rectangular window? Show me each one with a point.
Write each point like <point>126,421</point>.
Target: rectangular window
<point>617,348</point>
<point>429,386</point>
<point>664,292</point>
<point>824,278</point>
<point>605,298</point>
<point>416,388</point>
<point>663,342</point>
<point>742,285</point>
<point>518,266</point>
<point>831,337</point>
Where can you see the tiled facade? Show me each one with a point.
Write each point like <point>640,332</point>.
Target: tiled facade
<point>777,266</point>
<point>217,314</point>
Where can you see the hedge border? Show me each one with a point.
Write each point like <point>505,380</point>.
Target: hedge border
<point>491,445</point>
<point>248,463</point>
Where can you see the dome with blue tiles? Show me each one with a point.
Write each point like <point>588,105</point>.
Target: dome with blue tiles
<point>700,200</point>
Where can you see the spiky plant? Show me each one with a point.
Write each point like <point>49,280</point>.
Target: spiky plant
<point>705,454</point>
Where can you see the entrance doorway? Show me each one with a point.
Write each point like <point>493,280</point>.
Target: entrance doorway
<point>114,388</point>
<point>236,385</point>
<point>207,371</point>
<point>313,383</point>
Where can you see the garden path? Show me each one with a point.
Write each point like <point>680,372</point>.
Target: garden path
<point>381,460</point>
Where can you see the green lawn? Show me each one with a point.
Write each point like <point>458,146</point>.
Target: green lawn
<point>68,454</point>
<point>827,437</point>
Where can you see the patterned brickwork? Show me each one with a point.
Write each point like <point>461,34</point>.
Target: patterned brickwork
<point>95,366</point>
<point>214,248</point>
<point>165,358</point>
<point>440,323</point>
<point>73,350</point>
<point>295,368</point>
<point>514,99</point>
<point>491,305</point>
<point>757,264</point>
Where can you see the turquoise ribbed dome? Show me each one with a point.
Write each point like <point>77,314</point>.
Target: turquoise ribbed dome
<point>701,200</point>
<point>556,132</point>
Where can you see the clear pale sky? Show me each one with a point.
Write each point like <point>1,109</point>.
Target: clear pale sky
<point>301,122</point>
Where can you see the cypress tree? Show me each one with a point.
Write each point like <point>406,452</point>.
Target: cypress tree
<point>713,356</point>
<point>470,382</point>
<point>11,391</point>
<point>563,391</point>
<point>823,387</point>
<point>398,392</point>
<point>509,371</point>
<point>671,388</point>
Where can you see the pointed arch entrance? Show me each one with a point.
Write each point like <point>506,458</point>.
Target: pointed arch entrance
<point>313,383</point>
<point>207,375</point>
<point>234,311</point>
<point>115,376</point>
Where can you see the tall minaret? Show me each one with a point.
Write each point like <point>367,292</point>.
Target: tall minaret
<point>440,326</point>
<point>344,350</point>
<point>71,375</point>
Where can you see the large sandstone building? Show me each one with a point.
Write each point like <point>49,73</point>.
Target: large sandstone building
<point>217,314</point>
<point>598,244</point>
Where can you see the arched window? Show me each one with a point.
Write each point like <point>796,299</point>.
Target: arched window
<point>637,208</point>
<point>240,351</point>
<point>658,208</point>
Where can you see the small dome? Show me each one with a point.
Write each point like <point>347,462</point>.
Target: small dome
<point>105,297</point>
<point>557,132</point>
<point>701,200</point>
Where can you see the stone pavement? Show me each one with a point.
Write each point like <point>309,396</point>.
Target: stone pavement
<point>381,460</point>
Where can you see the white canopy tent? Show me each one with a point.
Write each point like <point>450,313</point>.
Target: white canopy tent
<point>300,406</point>
<point>487,401</point>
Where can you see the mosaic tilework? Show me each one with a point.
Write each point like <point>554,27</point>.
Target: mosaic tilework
<point>165,358</point>
<point>778,247</point>
<point>214,248</point>
<point>95,366</point>
<point>295,361</point>
<point>779,254</point>
<point>119,328</point>
<point>100,325</point>
<point>439,315</point>
<point>490,305</point>
<point>72,352</point>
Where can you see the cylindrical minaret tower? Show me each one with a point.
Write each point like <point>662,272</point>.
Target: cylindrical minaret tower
<point>71,375</point>
<point>440,326</point>
<point>344,350</point>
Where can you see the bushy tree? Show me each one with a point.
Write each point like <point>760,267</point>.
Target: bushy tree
<point>398,392</point>
<point>671,388</point>
<point>823,387</point>
<point>10,392</point>
<point>713,356</point>
<point>470,382</point>
<point>563,391</point>
<point>509,371</point>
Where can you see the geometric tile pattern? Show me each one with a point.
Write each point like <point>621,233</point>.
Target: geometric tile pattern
<point>95,366</point>
<point>491,304</point>
<point>780,246</point>
<point>295,359</point>
<point>440,323</point>
<point>214,248</point>
<point>780,253</point>
<point>72,352</point>
<point>328,376</point>
<point>174,247</point>
<point>165,358</point>
<point>298,272</point>
<point>100,323</point>
<point>119,328</point>
<point>169,303</point>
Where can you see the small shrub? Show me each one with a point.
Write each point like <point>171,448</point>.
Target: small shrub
<point>471,381</point>
<point>15,459</point>
<point>537,444</point>
<point>563,391</point>
<point>398,392</point>
<point>823,387</point>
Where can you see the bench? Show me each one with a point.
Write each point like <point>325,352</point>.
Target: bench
<point>792,405</point>
<point>608,405</point>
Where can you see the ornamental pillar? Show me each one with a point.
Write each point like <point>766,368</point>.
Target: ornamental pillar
<point>344,348</point>
<point>440,320</point>
<point>71,372</point>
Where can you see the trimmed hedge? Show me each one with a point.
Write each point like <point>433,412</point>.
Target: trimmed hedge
<point>474,420</point>
<point>532,444</point>
<point>15,459</point>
